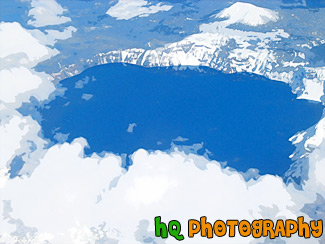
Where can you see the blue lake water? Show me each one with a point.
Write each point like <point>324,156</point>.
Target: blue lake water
<point>243,119</point>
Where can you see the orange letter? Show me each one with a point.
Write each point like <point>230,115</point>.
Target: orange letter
<point>191,231</point>
<point>220,228</point>
<point>244,228</point>
<point>289,230</point>
<point>303,228</point>
<point>279,227</point>
<point>232,224</point>
<point>268,227</point>
<point>206,227</point>
<point>317,231</point>
<point>257,228</point>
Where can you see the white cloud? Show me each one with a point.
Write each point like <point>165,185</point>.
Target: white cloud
<point>127,9</point>
<point>51,36</point>
<point>313,89</point>
<point>86,96</point>
<point>180,139</point>
<point>69,196</point>
<point>80,83</point>
<point>131,127</point>
<point>316,181</point>
<point>15,40</point>
<point>17,85</point>
<point>64,190</point>
<point>20,51</point>
<point>11,134</point>
<point>46,12</point>
<point>20,136</point>
<point>16,81</point>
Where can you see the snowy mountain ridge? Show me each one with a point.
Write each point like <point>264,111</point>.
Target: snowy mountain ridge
<point>228,50</point>
<point>248,14</point>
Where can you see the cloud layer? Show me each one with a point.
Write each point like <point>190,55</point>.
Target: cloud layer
<point>69,196</point>
<point>126,9</point>
<point>46,12</point>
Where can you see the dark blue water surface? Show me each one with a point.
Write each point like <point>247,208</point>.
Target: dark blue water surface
<point>243,119</point>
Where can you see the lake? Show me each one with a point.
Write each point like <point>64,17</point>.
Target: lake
<point>243,119</point>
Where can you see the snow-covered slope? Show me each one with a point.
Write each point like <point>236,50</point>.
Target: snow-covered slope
<point>248,14</point>
<point>230,50</point>
<point>229,54</point>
